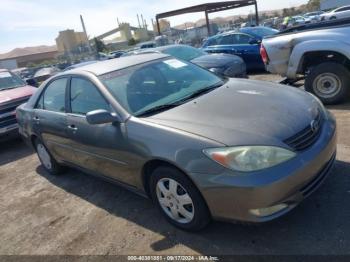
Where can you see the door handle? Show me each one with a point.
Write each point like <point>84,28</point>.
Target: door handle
<point>36,119</point>
<point>72,127</point>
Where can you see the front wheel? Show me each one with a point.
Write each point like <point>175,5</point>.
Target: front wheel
<point>178,199</point>
<point>329,82</point>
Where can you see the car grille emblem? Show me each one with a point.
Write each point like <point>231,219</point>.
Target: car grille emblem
<point>314,126</point>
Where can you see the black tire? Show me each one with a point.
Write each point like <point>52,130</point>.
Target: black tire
<point>324,71</point>
<point>201,216</point>
<point>54,168</point>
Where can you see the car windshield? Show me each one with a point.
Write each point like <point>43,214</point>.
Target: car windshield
<point>186,53</point>
<point>9,80</point>
<point>263,31</point>
<point>162,84</point>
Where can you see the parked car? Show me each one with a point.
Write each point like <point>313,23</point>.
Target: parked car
<point>298,20</point>
<point>117,54</point>
<point>314,16</point>
<point>45,73</point>
<point>200,146</point>
<point>318,52</point>
<point>221,64</point>
<point>13,92</point>
<point>341,12</point>
<point>245,43</point>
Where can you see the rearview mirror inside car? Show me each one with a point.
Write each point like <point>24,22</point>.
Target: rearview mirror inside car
<point>101,116</point>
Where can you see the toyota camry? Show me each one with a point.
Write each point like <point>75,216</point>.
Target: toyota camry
<point>200,146</point>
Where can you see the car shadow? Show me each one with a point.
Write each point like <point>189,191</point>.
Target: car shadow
<point>12,150</point>
<point>320,225</point>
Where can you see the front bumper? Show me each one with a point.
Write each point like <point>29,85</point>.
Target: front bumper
<point>232,197</point>
<point>9,132</point>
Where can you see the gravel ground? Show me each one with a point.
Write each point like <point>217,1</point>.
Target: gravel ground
<point>78,214</point>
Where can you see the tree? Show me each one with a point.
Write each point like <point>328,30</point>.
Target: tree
<point>99,45</point>
<point>132,41</point>
<point>313,5</point>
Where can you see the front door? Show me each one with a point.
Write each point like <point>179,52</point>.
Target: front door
<point>98,148</point>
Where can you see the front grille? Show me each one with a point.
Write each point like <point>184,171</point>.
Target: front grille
<point>306,137</point>
<point>319,178</point>
<point>7,112</point>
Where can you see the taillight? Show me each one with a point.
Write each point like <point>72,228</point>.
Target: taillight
<point>264,55</point>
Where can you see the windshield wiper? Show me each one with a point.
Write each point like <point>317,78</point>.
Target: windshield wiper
<point>157,109</point>
<point>200,92</point>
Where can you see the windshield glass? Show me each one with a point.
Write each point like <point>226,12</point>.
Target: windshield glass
<point>186,53</point>
<point>9,80</point>
<point>157,83</point>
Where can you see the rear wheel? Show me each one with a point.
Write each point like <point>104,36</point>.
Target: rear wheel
<point>178,199</point>
<point>46,159</point>
<point>329,82</point>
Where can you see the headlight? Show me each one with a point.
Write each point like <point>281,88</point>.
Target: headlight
<point>249,158</point>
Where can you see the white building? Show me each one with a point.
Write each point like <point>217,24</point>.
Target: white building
<point>8,64</point>
<point>332,4</point>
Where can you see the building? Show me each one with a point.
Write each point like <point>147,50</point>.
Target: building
<point>332,4</point>
<point>70,41</point>
<point>21,57</point>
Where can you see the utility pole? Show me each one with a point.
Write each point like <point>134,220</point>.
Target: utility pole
<point>84,29</point>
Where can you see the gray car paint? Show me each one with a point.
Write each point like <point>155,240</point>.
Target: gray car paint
<point>241,112</point>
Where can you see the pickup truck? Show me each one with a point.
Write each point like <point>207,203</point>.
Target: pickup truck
<point>13,92</point>
<point>319,53</point>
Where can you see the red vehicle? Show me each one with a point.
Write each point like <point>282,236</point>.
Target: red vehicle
<point>13,92</point>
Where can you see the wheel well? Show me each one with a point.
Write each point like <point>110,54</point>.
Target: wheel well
<point>315,58</point>
<point>147,170</point>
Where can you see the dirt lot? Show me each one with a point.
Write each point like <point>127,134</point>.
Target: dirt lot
<point>78,214</point>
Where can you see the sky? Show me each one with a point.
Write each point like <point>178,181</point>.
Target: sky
<point>37,22</point>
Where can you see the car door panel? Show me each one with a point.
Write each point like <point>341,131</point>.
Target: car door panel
<point>50,120</point>
<point>99,148</point>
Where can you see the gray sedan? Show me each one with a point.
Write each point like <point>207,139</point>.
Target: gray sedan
<point>200,146</point>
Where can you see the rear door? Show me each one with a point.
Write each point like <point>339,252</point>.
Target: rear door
<point>50,119</point>
<point>249,52</point>
<point>98,148</point>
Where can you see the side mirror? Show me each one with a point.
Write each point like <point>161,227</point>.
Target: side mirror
<point>101,116</point>
<point>255,41</point>
<point>32,82</point>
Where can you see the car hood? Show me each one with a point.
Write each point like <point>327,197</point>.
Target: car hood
<point>244,112</point>
<point>217,60</point>
<point>16,93</point>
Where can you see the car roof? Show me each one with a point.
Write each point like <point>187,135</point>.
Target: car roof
<point>104,67</point>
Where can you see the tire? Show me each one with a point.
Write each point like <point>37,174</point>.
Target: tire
<point>329,81</point>
<point>46,159</point>
<point>196,214</point>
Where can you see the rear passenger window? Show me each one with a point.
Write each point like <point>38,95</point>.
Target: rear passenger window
<point>85,97</point>
<point>53,98</point>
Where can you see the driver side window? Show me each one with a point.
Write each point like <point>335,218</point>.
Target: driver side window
<point>84,97</point>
